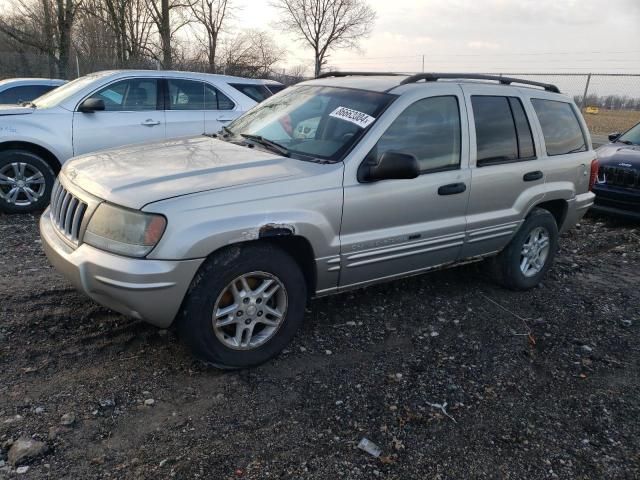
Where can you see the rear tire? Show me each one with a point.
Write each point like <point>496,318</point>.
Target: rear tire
<point>228,321</point>
<point>529,255</point>
<point>26,181</point>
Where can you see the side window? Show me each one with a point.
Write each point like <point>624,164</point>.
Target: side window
<point>214,99</point>
<point>428,129</point>
<point>135,94</point>
<point>495,131</point>
<point>24,93</point>
<point>560,127</point>
<point>503,133</point>
<point>186,95</point>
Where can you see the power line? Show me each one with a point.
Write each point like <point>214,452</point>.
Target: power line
<point>427,55</point>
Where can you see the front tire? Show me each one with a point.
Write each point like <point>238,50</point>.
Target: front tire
<point>529,255</point>
<point>26,181</point>
<point>244,306</point>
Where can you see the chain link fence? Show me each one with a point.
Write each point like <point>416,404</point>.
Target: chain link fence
<point>610,102</point>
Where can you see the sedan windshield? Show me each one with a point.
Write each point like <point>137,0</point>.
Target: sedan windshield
<point>57,95</point>
<point>632,136</point>
<point>310,121</point>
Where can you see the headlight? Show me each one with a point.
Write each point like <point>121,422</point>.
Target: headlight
<point>126,232</point>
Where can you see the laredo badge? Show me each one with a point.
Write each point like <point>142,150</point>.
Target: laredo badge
<point>361,119</point>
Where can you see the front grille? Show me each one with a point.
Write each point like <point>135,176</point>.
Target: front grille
<point>67,212</point>
<point>619,176</point>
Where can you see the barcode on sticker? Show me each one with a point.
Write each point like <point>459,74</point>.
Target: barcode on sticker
<point>359,118</point>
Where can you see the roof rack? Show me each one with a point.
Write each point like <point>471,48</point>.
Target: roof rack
<point>433,77</point>
<point>359,74</point>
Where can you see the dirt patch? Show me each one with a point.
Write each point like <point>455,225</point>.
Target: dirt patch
<point>609,121</point>
<point>563,403</point>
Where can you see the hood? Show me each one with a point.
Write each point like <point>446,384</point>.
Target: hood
<point>138,175</point>
<point>15,110</point>
<point>619,154</point>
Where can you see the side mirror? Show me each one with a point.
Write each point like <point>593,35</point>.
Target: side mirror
<point>614,136</point>
<point>391,166</point>
<point>91,105</point>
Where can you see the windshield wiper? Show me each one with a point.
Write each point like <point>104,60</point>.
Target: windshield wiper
<point>276,147</point>
<point>227,131</point>
<point>28,104</point>
<point>626,142</point>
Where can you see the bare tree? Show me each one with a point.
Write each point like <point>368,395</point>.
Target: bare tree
<point>130,24</point>
<point>211,16</point>
<point>161,14</point>
<point>47,26</point>
<point>251,53</point>
<point>326,25</point>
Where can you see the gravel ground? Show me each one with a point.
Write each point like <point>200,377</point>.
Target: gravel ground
<point>539,384</point>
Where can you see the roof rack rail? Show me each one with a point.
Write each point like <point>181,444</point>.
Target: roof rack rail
<point>433,77</point>
<point>359,74</point>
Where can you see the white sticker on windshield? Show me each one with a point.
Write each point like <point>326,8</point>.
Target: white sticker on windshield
<point>361,119</point>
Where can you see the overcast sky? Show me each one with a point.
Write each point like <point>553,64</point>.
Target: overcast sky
<point>483,35</point>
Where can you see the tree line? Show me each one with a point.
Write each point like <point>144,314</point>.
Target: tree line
<point>609,102</point>
<point>61,38</point>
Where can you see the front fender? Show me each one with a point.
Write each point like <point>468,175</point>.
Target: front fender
<point>201,223</point>
<point>50,130</point>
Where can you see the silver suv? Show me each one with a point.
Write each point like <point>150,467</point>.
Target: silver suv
<point>334,184</point>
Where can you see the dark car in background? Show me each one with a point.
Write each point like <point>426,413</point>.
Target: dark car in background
<point>18,90</point>
<point>617,187</point>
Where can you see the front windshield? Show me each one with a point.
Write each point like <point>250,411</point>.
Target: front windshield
<point>310,121</point>
<point>632,136</point>
<point>57,95</point>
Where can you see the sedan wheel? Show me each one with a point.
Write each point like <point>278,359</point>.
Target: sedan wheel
<point>21,184</point>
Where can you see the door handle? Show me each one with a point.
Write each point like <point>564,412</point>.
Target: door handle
<point>224,119</point>
<point>150,122</point>
<point>532,176</point>
<point>452,189</point>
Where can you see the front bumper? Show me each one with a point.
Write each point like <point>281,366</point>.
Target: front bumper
<point>150,290</point>
<point>577,207</point>
<point>619,201</point>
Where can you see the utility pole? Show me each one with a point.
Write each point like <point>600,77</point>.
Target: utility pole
<point>423,63</point>
<point>586,89</point>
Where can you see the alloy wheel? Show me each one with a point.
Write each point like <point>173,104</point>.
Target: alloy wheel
<point>535,252</point>
<point>21,184</point>
<point>250,310</point>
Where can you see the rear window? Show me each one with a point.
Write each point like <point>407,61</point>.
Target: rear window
<point>503,133</point>
<point>560,127</point>
<point>254,92</point>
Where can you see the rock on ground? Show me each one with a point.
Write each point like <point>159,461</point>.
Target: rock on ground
<point>25,449</point>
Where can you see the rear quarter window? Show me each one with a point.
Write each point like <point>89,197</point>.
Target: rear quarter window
<point>560,127</point>
<point>255,92</point>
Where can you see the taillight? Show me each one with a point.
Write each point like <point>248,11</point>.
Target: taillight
<point>595,165</point>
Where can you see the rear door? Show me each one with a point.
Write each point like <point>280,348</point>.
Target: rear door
<point>507,173</point>
<point>395,227</point>
<point>566,153</point>
<point>185,111</point>
<point>131,115</point>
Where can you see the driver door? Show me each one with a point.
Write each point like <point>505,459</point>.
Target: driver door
<point>397,227</point>
<point>131,116</point>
